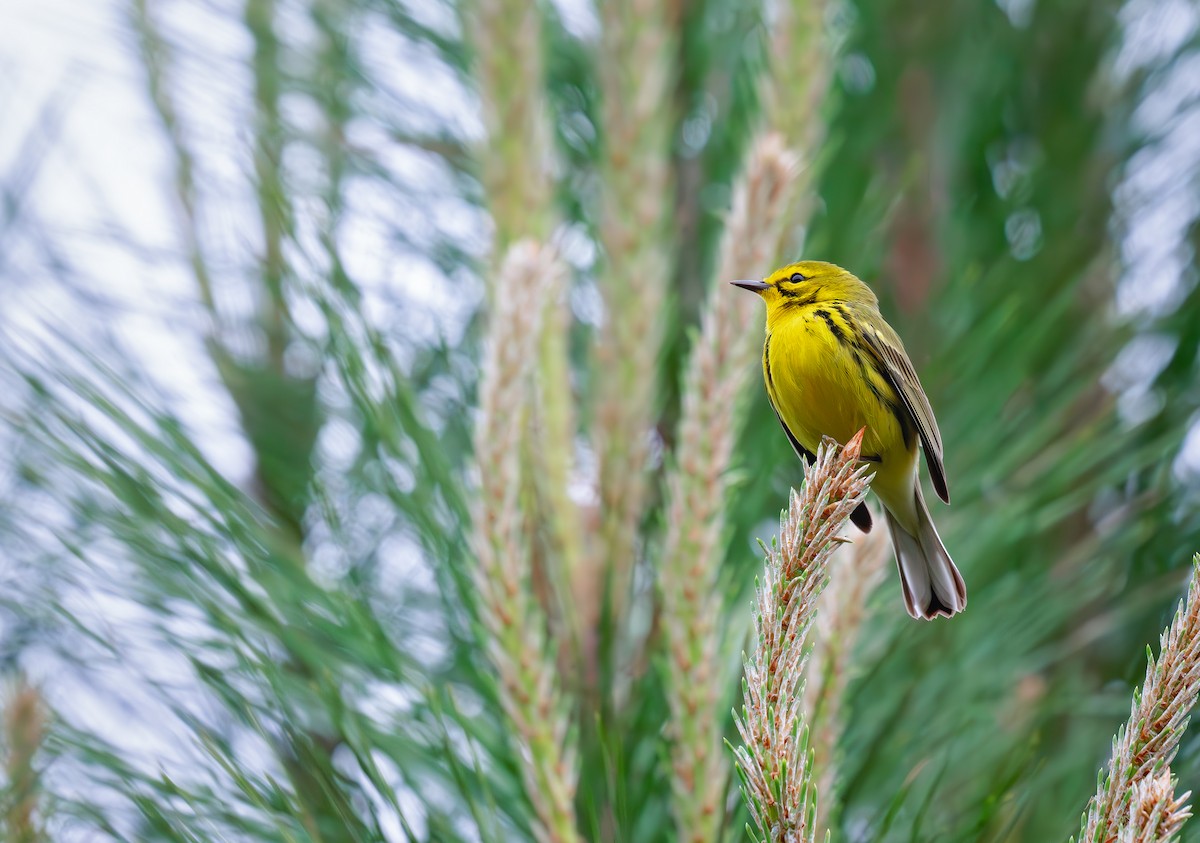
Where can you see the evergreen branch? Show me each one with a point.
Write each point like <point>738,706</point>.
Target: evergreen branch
<point>1147,743</point>
<point>774,762</point>
<point>799,71</point>
<point>273,194</point>
<point>1155,814</point>
<point>516,158</point>
<point>510,612</point>
<point>719,371</point>
<point>637,65</point>
<point>792,95</point>
<point>516,166</point>
<point>551,447</point>
<point>852,577</point>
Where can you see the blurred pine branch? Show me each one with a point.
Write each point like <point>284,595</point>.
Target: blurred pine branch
<point>529,689</point>
<point>637,66</point>
<point>853,575</point>
<point>720,371</point>
<point>1131,800</point>
<point>774,762</point>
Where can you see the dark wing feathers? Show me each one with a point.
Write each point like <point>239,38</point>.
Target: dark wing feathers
<point>889,351</point>
<point>861,516</point>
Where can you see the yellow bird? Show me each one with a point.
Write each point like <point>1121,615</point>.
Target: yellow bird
<point>832,366</point>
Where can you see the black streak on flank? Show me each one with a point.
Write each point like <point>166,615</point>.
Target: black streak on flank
<point>866,376</point>
<point>840,309</point>
<point>767,364</point>
<point>834,328</point>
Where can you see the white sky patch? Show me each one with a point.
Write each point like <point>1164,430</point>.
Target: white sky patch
<point>1154,30</point>
<point>1156,201</point>
<point>579,18</point>
<point>1187,464</point>
<point>99,195</point>
<point>1133,372</point>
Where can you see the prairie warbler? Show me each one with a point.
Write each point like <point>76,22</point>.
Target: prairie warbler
<point>832,366</point>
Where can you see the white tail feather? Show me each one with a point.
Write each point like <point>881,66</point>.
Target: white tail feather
<point>931,583</point>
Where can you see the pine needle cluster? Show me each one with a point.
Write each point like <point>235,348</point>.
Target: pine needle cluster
<point>1136,799</point>
<point>775,762</point>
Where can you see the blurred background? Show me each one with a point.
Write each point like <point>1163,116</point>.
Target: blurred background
<point>248,253</point>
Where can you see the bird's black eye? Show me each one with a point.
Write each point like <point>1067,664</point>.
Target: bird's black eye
<point>797,277</point>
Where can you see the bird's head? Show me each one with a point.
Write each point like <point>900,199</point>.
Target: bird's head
<point>809,282</point>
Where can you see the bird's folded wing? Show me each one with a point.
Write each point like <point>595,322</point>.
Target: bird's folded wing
<point>895,365</point>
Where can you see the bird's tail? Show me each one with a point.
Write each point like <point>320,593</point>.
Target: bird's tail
<point>932,585</point>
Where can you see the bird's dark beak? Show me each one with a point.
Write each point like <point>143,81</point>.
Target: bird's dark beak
<point>752,286</point>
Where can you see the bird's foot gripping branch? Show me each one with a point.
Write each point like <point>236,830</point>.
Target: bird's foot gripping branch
<point>773,762</point>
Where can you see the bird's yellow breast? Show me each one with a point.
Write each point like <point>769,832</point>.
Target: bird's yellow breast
<point>823,384</point>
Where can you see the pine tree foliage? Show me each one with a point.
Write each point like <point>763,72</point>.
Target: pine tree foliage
<point>272,627</point>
